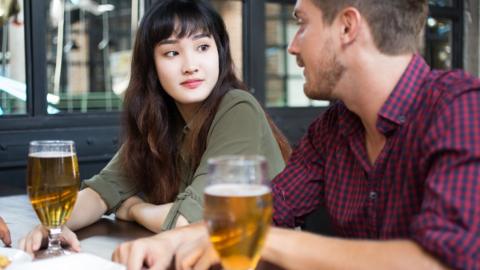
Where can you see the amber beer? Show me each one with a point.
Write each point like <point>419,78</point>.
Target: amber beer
<point>52,184</point>
<point>238,217</point>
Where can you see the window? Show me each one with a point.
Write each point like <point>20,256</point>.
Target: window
<point>231,12</point>
<point>64,70</point>
<point>441,3</point>
<point>439,43</point>
<point>13,98</point>
<point>443,43</point>
<point>284,79</point>
<point>471,40</point>
<point>88,49</point>
<point>78,53</point>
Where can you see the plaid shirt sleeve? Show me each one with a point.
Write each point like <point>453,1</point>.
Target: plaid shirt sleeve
<point>448,225</point>
<point>298,189</point>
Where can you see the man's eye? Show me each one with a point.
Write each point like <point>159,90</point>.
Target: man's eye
<point>203,47</point>
<point>171,53</point>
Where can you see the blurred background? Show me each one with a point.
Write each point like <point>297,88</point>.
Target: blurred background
<point>64,67</point>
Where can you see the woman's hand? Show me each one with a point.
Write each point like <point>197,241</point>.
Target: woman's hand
<point>5,233</point>
<point>125,212</point>
<point>37,238</point>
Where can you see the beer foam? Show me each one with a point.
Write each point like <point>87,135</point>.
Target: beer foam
<point>237,190</point>
<point>51,154</point>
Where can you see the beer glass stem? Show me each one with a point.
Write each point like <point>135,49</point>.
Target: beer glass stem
<point>54,239</point>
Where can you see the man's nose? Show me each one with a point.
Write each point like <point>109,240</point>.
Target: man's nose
<point>292,47</point>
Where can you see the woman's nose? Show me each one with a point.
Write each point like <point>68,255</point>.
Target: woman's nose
<point>190,70</point>
<point>190,67</point>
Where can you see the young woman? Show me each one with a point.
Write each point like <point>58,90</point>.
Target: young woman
<point>183,105</point>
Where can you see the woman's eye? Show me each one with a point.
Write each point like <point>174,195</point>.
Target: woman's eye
<point>171,53</point>
<point>203,47</point>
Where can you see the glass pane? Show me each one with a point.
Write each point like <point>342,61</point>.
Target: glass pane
<point>231,12</point>
<point>276,94</point>
<point>13,98</point>
<point>275,61</point>
<point>88,53</point>
<point>284,85</point>
<point>296,97</point>
<point>275,33</point>
<point>441,3</point>
<point>438,46</point>
<point>471,38</point>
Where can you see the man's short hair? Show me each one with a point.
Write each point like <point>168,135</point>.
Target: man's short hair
<point>395,24</point>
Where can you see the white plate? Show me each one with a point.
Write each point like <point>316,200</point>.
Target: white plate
<point>76,261</point>
<point>16,256</point>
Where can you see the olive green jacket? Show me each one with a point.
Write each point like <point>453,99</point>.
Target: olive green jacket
<point>239,128</point>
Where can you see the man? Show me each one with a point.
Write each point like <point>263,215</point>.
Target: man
<point>395,161</point>
<point>4,233</point>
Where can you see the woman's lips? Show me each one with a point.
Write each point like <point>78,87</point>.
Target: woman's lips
<point>192,84</point>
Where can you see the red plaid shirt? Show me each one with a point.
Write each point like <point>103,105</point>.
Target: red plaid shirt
<point>424,185</point>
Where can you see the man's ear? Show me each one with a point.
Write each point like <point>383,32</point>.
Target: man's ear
<point>350,22</point>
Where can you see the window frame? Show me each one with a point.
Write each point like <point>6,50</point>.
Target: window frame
<point>456,15</point>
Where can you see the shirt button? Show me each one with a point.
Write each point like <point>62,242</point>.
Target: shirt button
<point>401,119</point>
<point>372,195</point>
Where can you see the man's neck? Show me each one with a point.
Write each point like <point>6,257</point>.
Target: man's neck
<point>370,82</point>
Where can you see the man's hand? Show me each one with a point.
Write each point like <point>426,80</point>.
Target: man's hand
<point>197,254</point>
<point>157,252</point>
<point>5,233</point>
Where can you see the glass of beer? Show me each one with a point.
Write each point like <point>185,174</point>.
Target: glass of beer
<point>52,184</point>
<point>238,209</point>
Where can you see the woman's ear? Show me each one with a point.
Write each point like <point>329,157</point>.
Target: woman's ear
<point>350,22</point>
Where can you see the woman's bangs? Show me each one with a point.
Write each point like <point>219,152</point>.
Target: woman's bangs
<point>161,29</point>
<point>179,23</point>
<point>191,24</point>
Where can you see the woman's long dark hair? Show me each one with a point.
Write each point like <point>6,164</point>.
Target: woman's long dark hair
<point>151,149</point>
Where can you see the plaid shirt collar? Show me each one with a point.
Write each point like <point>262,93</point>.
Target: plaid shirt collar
<point>400,103</point>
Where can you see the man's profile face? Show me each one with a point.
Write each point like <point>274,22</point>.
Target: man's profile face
<point>314,47</point>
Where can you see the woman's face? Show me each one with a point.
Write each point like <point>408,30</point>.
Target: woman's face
<point>188,69</point>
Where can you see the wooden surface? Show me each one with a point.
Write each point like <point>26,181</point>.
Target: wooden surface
<point>99,239</point>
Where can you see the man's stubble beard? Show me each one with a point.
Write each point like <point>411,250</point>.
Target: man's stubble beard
<point>327,76</point>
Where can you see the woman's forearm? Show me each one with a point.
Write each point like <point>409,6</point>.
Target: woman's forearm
<point>298,250</point>
<point>153,216</point>
<point>149,215</point>
<point>88,208</point>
